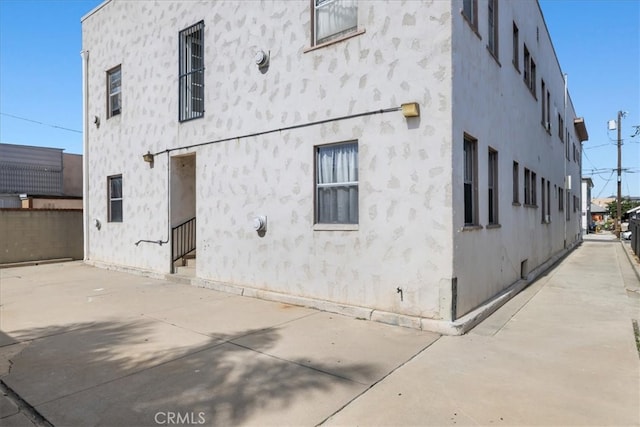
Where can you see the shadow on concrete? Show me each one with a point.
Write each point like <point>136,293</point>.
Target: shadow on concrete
<point>126,373</point>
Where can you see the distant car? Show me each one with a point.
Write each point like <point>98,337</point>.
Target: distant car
<point>626,235</point>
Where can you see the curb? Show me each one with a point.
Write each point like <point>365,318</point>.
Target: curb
<point>632,259</point>
<point>24,407</point>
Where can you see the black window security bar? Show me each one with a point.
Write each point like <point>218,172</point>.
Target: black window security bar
<point>183,239</point>
<point>191,56</point>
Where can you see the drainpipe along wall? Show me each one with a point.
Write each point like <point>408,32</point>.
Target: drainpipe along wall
<point>85,152</point>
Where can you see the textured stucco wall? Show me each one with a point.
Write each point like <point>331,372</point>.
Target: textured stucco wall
<point>403,238</point>
<point>492,103</point>
<point>32,235</point>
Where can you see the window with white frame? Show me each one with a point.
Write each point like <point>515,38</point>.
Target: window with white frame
<point>470,181</point>
<point>115,198</point>
<point>333,19</point>
<point>114,94</point>
<point>337,183</point>
<point>492,174</point>
<point>191,57</point>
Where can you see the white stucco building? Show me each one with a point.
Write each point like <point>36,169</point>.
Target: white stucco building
<point>287,114</point>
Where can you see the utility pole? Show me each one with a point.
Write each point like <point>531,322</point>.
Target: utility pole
<point>619,214</point>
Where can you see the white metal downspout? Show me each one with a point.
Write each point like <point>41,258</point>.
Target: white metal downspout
<point>85,151</point>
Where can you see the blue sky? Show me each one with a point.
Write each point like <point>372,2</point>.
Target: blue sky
<point>597,43</point>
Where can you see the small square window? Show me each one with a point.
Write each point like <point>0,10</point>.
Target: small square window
<point>337,183</point>
<point>114,94</point>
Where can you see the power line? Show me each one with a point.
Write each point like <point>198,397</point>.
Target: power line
<point>41,123</point>
<point>598,146</point>
<point>605,184</point>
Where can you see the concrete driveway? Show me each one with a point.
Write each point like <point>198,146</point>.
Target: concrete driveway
<point>85,346</point>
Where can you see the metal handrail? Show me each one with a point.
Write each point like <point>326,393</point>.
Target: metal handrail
<point>183,239</point>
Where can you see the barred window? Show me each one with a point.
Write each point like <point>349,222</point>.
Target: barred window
<point>191,72</point>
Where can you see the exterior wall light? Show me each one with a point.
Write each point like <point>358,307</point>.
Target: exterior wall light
<point>411,109</point>
<point>148,157</point>
<point>262,59</point>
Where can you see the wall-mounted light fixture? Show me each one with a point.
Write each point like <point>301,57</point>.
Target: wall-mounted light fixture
<point>260,223</point>
<point>262,59</point>
<point>411,109</point>
<point>96,121</point>
<point>148,157</point>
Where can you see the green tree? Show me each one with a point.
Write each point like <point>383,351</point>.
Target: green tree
<point>626,205</point>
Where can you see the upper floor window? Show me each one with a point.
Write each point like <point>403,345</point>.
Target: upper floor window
<point>191,57</point>
<point>333,19</point>
<point>337,184</point>
<point>529,71</point>
<point>493,27</point>
<point>115,198</point>
<point>516,47</point>
<point>114,94</point>
<point>470,11</point>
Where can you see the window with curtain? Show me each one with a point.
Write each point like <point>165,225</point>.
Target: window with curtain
<point>115,198</point>
<point>334,18</point>
<point>337,184</point>
<point>114,95</point>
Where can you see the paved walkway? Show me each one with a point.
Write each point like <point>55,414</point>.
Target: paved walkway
<point>86,346</point>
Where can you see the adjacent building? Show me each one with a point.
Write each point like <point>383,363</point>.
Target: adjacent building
<point>585,204</point>
<point>406,164</point>
<point>39,177</point>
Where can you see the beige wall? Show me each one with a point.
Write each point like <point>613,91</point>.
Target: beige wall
<point>32,235</point>
<point>72,175</point>
<point>52,203</point>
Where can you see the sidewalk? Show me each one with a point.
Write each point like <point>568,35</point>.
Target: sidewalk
<point>95,347</point>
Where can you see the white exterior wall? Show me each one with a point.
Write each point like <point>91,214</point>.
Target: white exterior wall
<point>404,234</point>
<point>492,103</point>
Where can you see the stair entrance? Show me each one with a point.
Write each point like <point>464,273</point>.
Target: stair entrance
<point>183,214</point>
